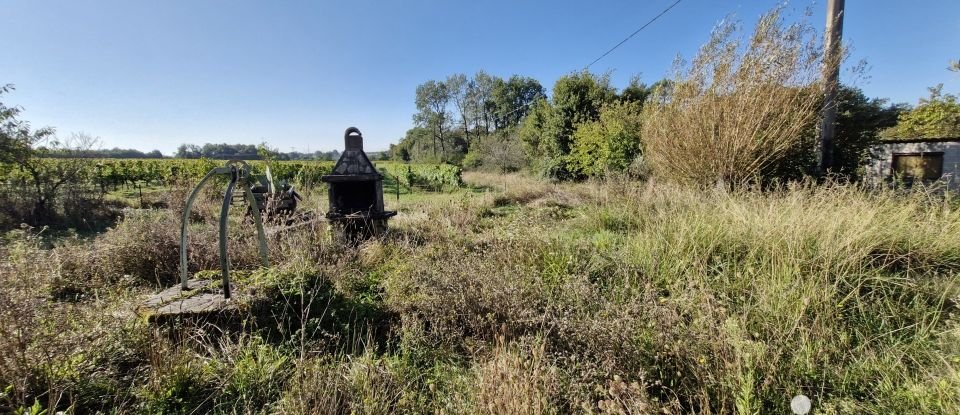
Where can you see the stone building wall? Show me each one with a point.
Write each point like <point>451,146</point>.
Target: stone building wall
<point>879,167</point>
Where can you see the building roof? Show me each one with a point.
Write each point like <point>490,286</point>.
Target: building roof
<point>919,140</point>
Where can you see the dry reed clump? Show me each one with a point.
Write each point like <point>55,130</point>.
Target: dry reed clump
<point>517,380</point>
<point>738,109</point>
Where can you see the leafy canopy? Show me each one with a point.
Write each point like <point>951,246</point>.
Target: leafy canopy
<point>610,143</point>
<point>937,116</point>
<point>16,137</point>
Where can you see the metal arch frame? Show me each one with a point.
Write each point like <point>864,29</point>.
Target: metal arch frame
<point>236,174</point>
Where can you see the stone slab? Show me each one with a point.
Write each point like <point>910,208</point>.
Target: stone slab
<point>197,299</point>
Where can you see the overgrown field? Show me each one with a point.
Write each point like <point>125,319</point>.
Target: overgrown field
<point>512,296</point>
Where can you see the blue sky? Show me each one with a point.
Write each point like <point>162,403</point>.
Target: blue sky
<point>155,74</point>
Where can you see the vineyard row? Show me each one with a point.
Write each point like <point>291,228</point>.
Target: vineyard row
<point>115,172</point>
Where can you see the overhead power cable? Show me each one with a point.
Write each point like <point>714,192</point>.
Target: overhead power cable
<point>648,23</point>
<point>633,34</point>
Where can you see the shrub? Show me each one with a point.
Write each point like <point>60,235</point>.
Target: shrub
<point>502,153</point>
<point>610,143</point>
<point>549,128</point>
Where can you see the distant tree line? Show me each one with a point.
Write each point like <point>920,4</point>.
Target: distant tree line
<point>225,151</point>
<point>724,116</point>
<point>112,153</point>
<point>510,124</point>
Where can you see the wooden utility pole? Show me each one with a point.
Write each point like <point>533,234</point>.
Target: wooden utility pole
<point>831,78</point>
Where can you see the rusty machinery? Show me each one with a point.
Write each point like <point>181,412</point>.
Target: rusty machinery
<point>355,195</point>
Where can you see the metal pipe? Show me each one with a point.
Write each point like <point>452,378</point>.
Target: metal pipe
<point>224,215</point>
<point>261,235</point>
<point>186,221</point>
<point>244,173</point>
<point>236,174</point>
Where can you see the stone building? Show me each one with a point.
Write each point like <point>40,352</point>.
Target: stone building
<point>932,161</point>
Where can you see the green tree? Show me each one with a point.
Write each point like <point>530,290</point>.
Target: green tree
<point>432,98</point>
<point>578,98</point>
<point>48,172</point>
<point>611,143</point>
<point>512,99</point>
<point>459,88</point>
<point>859,122</point>
<point>418,144</point>
<point>501,152</point>
<point>188,151</point>
<point>636,91</point>
<point>265,152</point>
<point>548,131</point>
<point>937,116</point>
<point>29,149</point>
<point>480,100</point>
<point>16,136</point>
<point>537,128</point>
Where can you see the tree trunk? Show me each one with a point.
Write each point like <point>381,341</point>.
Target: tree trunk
<point>443,147</point>
<point>434,143</point>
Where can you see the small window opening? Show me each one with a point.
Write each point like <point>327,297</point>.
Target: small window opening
<point>918,166</point>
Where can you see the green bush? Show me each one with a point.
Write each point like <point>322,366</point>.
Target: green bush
<point>610,143</point>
